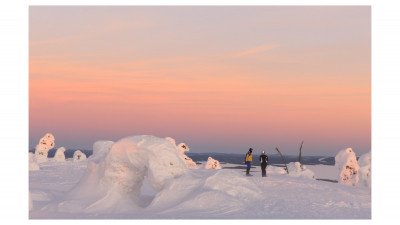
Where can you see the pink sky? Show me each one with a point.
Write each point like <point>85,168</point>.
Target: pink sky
<point>221,79</point>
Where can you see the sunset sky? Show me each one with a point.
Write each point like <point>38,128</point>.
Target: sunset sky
<point>219,78</point>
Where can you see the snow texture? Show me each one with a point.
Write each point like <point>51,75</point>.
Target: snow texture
<point>79,156</point>
<point>46,143</point>
<point>197,194</point>
<point>100,150</point>
<point>212,164</point>
<point>114,183</point>
<point>30,202</point>
<point>60,155</point>
<point>32,162</point>
<point>298,170</point>
<point>346,162</point>
<point>182,148</point>
<point>365,170</point>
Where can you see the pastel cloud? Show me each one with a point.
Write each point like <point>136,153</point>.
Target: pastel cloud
<point>258,49</point>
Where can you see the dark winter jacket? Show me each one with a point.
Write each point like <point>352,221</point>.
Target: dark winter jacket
<point>263,159</point>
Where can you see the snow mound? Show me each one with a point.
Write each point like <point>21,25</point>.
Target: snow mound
<point>365,170</point>
<point>113,184</point>
<point>32,162</point>
<point>346,162</point>
<point>212,164</point>
<point>60,156</point>
<point>79,156</point>
<point>100,150</point>
<point>275,170</point>
<point>46,143</point>
<point>182,148</point>
<point>296,169</point>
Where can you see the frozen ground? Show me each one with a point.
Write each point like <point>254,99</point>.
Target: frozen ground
<point>210,194</point>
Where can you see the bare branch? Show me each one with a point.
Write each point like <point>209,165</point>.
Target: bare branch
<point>282,159</point>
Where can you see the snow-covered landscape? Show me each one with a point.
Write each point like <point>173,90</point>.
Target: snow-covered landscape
<point>147,177</point>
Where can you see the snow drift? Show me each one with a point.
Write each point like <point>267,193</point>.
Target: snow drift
<point>346,162</point>
<point>296,169</point>
<point>113,183</point>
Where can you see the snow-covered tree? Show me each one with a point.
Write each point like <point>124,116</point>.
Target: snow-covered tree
<point>365,170</point>
<point>120,174</point>
<point>100,150</point>
<point>32,162</point>
<point>296,169</point>
<point>60,155</point>
<point>182,148</point>
<point>79,156</point>
<point>212,164</point>
<point>346,162</point>
<point>42,149</point>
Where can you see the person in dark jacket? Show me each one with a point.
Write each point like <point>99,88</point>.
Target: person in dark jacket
<point>249,159</point>
<point>263,162</point>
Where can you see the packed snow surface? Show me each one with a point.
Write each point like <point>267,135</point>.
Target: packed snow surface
<point>143,177</point>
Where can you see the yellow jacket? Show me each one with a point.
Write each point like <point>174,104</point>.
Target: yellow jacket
<point>249,157</point>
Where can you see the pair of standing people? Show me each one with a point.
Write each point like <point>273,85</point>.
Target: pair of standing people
<point>263,161</point>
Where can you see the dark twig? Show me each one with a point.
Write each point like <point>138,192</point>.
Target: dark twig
<point>282,159</point>
<point>301,146</point>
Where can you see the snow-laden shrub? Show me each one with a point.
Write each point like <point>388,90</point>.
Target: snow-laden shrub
<point>79,156</point>
<point>182,148</point>
<point>60,155</point>
<point>42,149</point>
<point>346,162</point>
<point>296,169</point>
<point>32,162</point>
<point>113,183</point>
<point>212,164</point>
<point>365,170</point>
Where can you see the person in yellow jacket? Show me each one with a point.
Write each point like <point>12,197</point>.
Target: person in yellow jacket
<point>249,159</point>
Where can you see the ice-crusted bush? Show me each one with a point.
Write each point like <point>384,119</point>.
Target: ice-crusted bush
<point>298,170</point>
<point>79,156</point>
<point>346,162</point>
<point>182,148</point>
<point>60,155</point>
<point>365,170</point>
<point>212,164</point>
<point>42,149</point>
